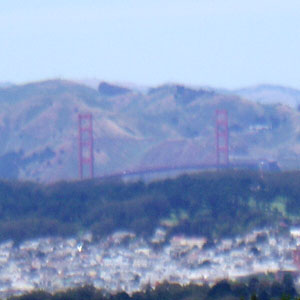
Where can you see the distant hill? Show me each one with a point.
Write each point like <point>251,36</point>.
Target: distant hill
<point>168,124</point>
<point>271,94</point>
<point>5,84</point>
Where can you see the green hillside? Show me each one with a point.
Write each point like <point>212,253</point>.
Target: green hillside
<point>213,205</point>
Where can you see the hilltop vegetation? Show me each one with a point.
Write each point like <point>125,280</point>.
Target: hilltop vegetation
<point>216,204</point>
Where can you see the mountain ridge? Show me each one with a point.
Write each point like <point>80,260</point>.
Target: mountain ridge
<point>39,128</point>
<point>271,94</point>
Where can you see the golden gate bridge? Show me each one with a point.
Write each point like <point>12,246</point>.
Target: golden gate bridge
<point>219,161</point>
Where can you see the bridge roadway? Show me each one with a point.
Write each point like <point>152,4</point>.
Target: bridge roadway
<point>239,164</point>
<point>254,165</point>
<point>158,169</point>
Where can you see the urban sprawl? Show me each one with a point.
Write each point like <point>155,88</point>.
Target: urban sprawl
<point>125,262</point>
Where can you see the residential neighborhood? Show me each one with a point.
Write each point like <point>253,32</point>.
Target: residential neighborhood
<point>124,262</point>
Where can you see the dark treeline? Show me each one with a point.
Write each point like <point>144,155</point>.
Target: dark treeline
<point>253,288</point>
<point>211,204</point>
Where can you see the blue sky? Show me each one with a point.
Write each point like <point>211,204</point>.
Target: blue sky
<point>226,44</point>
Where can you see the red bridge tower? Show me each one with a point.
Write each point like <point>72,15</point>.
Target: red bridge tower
<point>222,153</point>
<point>86,146</point>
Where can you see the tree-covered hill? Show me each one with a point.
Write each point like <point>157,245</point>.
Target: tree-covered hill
<point>211,204</point>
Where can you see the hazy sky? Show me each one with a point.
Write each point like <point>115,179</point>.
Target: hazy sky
<point>221,43</point>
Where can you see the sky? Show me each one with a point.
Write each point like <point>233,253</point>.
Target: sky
<point>225,44</point>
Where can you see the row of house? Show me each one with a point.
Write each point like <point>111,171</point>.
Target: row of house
<point>126,262</point>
